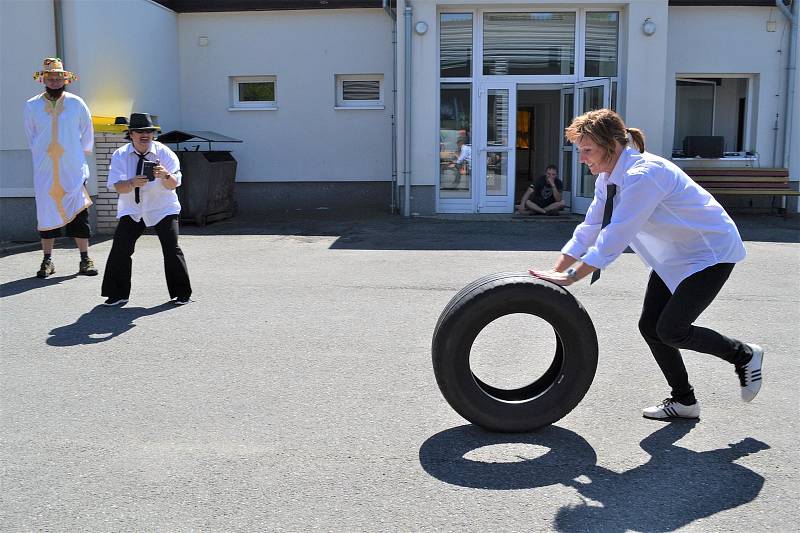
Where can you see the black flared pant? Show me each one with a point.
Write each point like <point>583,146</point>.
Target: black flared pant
<point>117,277</point>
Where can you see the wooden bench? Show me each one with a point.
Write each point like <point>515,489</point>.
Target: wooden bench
<point>744,181</point>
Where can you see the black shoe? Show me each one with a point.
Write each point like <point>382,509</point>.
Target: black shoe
<point>86,268</point>
<point>115,301</point>
<point>46,269</point>
<point>181,300</point>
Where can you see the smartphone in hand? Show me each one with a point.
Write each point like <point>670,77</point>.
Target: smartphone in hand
<point>147,170</point>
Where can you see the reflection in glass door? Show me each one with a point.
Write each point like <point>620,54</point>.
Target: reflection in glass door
<point>589,95</point>
<point>495,163</point>
<point>455,146</point>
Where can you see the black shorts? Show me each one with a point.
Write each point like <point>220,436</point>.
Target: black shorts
<point>78,227</point>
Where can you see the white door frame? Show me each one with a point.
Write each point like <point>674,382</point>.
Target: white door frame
<point>565,149</point>
<point>580,203</point>
<point>495,196</point>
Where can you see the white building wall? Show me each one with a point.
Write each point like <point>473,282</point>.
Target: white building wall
<point>22,48</point>
<point>644,76</point>
<point>424,90</point>
<point>126,53</point>
<point>119,72</point>
<point>709,40</point>
<point>305,138</point>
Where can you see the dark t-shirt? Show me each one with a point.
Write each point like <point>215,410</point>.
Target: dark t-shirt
<point>542,192</point>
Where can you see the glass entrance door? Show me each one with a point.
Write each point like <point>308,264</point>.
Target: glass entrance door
<point>565,147</point>
<point>588,95</point>
<point>495,162</point>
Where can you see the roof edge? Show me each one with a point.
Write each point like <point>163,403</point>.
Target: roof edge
<point>215,6</point>
<point>721,3</point>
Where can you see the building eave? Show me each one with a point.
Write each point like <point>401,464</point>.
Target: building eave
<point>722,3</point>
<point>207,6</point>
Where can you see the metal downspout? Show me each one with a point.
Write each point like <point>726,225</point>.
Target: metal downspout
<point>58,20</point>
<point>388,8</point>
<point>407,13</point>
<point>792,17</point>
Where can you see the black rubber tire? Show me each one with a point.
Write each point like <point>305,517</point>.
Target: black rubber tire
<point>537,404</point>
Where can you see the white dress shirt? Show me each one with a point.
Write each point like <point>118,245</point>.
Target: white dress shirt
<point>155,200</point>
<point>465,154</point>
<point>675,226</point>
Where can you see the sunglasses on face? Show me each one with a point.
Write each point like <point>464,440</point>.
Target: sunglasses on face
<point>142,132</point>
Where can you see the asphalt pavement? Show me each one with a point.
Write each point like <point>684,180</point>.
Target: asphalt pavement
<point>296,391</point>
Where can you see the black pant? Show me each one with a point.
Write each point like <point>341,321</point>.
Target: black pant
<point>117,277</point>
<point>78,228</point>
<point>666,325</point>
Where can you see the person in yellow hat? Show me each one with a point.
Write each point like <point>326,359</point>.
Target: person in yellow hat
<point>60,135</point>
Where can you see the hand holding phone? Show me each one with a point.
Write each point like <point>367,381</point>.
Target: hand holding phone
<point>147,170</point>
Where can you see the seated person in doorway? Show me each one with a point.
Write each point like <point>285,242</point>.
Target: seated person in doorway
<point>463,161</point>
<point>543,197</point>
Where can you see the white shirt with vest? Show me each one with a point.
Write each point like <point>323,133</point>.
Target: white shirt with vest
<point>155,200</point>
<point>675,226</point>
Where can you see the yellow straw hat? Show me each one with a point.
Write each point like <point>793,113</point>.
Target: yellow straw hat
<point>54,65</point>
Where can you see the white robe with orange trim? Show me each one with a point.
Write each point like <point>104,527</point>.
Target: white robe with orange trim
<point>58,134</point>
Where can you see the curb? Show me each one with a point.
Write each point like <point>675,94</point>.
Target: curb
<point>7,248</point>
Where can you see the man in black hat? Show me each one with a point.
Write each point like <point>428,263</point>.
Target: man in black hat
<point>145,173</point>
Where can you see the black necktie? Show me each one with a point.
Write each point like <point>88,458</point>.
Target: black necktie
<point>139,170</point>
<point>611,190</point>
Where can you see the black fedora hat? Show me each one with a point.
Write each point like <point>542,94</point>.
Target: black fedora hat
<point>142,121</point>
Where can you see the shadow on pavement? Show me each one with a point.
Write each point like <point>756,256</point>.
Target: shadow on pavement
<point>371,230</point>
<point>768,228</point>
<point>62,243</point>
<point>674,488</point>
<point>444,456</point>
<point>12,288</point>
<point>379,230</point>
<point>102,323</point>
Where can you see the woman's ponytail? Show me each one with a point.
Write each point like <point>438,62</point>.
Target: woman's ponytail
<point>637,136</point>
<point>606,128</point>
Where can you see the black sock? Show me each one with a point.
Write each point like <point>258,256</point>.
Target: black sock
<point>47,257</point>
<point>84,255</point>
<point>685,399</point>
<point>743,358</point>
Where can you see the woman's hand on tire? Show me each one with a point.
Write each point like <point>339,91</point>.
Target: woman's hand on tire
<point>553,276</point>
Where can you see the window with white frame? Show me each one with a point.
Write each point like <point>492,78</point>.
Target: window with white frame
<point>712,106</point>
<point>455,45</point>
<point>601,44</point>
<point>529,43</point>
<point>359,91</point>
<point>253,92</point>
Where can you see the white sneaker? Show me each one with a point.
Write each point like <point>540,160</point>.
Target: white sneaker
<point>669,408</point>
<point>750,374</point>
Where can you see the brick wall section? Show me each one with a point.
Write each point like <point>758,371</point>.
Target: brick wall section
<point>106,203</point>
